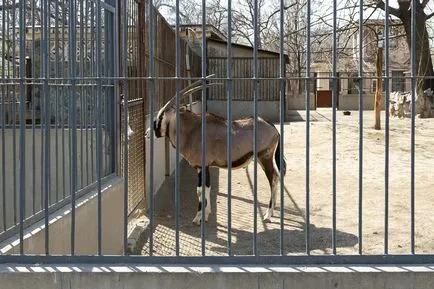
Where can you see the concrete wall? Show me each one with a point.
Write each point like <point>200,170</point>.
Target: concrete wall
<point>107,276</point>
<point>351,102</point>
<point>86,226</point>
<point>298,102</point>
<point>164,158</point>
<point>59,166</point>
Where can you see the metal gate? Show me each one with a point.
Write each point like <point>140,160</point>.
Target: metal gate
<point>80,89</point>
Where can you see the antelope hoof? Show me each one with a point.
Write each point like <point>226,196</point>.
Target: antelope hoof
<point>207,212</point>
<point>198,218</point>
<point>268,215</point>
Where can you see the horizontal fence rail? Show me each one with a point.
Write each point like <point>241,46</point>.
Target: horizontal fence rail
<point>109,125</point>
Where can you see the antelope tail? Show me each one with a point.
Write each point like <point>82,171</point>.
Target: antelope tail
<point>277,159</point>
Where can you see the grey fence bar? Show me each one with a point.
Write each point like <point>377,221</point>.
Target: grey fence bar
<point>281,120</point>
<point>387,129</point>
<point>334,101</point>
<point>72,70</point>
<point>414,8</point>
<point>125,124</point>
<point>177,157</point>
<point>255,126</point>
<point>229,95</point>
<point>151,126</point>
<point>360,80</point>
<point>203,128</point>
<point>308,76</point>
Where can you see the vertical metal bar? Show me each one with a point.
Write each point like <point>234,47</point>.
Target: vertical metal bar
<point>3,116</point>
<point>45,69</point>
<point>204,71</point>
<point>360,76</point>
<point>282,120</point>
<point>64,100</point>
<point>87,91</point>
<point>56,72</point>
<point>125,81</point>
<point>307,228</point>
<point>117,122</point>
<point>414,8</point>
<point>177,157</point>
<point>22,123</point>
<point>82,91</point>
<point>92,90</point>
<point>229,132</point>
<point>256,44</point>
<point>334,101</point>
<point>386,164</point>
<point>73,121</point>
<point>33,103</point>
<point>151,115</point>
<point>41,102</point>
<point>14,113</point>
<point>98,117</point>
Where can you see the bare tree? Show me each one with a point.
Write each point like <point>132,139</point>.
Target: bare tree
<point>423,64</point>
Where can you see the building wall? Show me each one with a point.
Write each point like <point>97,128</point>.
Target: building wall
<point>219,49</point>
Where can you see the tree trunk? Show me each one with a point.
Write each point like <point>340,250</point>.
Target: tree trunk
<point>424,65</point>
<point>379,89</point>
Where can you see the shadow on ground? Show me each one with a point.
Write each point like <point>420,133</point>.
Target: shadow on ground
<point>216,233</point>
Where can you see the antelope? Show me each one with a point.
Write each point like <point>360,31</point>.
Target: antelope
<point>190,146</point>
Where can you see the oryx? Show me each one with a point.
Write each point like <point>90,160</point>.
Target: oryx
<point>190,146</point>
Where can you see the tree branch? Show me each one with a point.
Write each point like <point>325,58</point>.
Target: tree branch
<point>393,11</point>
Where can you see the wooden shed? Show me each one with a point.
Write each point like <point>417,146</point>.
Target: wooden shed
<point>242,67</point>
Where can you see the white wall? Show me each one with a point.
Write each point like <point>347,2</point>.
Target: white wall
<point>59,170</point>
<point>86,224</point>
<point>266,109</point>
<point>164,158</point>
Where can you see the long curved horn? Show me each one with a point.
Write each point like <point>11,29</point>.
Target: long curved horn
<point>197,88</point>
<point>181,93</point>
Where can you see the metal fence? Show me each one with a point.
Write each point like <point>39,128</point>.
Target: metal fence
<point>138,69</point>
<point>85,92</point>
<point>57,96</point>
<point>242,89</point>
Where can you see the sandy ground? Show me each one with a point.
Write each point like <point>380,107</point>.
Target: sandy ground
<point>321,193</point>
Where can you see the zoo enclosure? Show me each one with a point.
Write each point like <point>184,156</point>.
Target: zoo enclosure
<point>99,89</point>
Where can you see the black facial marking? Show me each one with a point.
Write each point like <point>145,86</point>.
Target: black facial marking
<point>157,126</point>
<point>269,205</point>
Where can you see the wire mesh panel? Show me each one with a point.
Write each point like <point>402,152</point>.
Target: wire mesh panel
<point>138,20</point>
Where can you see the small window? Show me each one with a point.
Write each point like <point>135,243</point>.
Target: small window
<point>374,86</point>
<point>353,84</point>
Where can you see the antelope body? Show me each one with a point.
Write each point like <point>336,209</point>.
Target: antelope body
<point>190,147</point>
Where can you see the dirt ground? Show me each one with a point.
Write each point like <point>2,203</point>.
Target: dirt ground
<point>347,194</point>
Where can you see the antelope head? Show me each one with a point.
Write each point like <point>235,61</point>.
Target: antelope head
<point>166,112</point>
